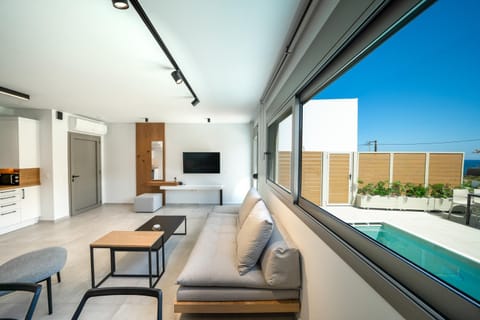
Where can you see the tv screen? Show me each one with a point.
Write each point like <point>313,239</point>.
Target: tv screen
<point>201,162</point>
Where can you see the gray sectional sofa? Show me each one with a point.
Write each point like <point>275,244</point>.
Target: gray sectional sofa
<point>242,262</point>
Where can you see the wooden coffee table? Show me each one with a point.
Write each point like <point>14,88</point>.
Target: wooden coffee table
<point>147,241</point>
<point>142,239</point>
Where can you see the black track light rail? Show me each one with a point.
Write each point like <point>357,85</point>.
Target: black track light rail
<point>160,42</point>
<point>13,93</point>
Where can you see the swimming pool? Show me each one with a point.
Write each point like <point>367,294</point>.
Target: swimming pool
<point>454,269</point>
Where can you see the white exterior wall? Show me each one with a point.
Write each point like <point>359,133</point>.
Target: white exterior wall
<point>330,125</point>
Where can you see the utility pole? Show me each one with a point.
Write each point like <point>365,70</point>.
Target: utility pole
<point>375,149</point>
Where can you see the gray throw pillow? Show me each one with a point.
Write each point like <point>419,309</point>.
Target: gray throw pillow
<point>253,236</point>
<point>249,201</point>
<point>281,265</point>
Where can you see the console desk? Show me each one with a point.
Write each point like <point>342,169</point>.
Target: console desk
<point>196,187</point>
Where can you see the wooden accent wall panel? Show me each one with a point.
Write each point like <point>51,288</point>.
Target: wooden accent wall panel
<point>283,162</point>
<point>409,167</point>
<point>145,134</point>
<point>445,168</point>
<point>312,173</point>
<point>373,167</point>
<point>339,180</point>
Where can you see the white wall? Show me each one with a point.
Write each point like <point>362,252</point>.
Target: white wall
<point>119,164</point>
<point>61,194</point>
<point>46,166</point>
<point>233,143</point>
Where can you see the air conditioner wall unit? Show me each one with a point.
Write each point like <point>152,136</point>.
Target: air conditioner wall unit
<point>87,126</point>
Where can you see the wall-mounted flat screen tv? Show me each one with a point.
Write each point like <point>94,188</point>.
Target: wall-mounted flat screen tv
<point>201,162</point>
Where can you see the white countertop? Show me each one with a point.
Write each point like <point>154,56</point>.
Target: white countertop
<point>193,187</point>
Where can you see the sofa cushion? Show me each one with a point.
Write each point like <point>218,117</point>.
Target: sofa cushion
<point>229,208</point>
<point>253,236</point>
<point>213,260</point>
<point>280,261</point>
<point>248,203</point>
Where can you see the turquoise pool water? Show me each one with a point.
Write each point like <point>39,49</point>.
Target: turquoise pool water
<point>456,270</point>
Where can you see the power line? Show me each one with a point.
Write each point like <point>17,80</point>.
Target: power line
<point>421,143</point>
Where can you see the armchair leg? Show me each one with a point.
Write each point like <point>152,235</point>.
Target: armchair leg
<point>58,277</point>
<point>49,295</point>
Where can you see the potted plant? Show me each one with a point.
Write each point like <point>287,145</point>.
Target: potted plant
<point>376,196</point>
<point>409,196</point>
<point>415,197</point>
<point>441,195</point>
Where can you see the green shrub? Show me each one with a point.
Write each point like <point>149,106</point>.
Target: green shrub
<point>440,190</point>
<point>397,188</point>
<point>415,190</point>
<point>383,188</point>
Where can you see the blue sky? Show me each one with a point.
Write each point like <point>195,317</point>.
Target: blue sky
<point>422,85</point>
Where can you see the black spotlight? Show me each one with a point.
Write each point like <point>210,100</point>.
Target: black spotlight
<point>120,4</point>
<point>177,76</point>
<point>195,102</point>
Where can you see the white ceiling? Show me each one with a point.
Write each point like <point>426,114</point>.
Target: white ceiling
<point>88,58</point>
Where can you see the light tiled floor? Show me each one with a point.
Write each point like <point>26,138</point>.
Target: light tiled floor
<point>75,234</point>
<point>429,226</point>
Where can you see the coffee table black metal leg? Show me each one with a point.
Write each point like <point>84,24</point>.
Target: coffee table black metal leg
<point>158,267</point>
<point>150,267</point>
<point>185,228</point>
<point>113,266</point>
<point>92,267</point>
<point>163,256</point>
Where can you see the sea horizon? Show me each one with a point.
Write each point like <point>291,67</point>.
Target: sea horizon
<point>470,163</point>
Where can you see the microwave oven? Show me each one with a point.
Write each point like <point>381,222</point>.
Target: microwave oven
<point>9,179</point>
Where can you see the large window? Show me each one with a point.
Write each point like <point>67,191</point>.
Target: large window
<point>386,142</point>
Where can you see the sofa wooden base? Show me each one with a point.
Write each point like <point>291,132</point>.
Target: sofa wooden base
<point>257,306</point>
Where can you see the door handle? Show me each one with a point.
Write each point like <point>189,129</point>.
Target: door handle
<point>73,177</point>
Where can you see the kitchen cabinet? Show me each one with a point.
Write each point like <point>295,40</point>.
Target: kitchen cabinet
<point>30,204</point>
<point>19,138</point>
<point>19,207</point>
<point>10,208</point>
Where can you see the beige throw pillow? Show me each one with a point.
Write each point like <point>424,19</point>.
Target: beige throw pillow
<point>250,200</point>
<point>253,236</point>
